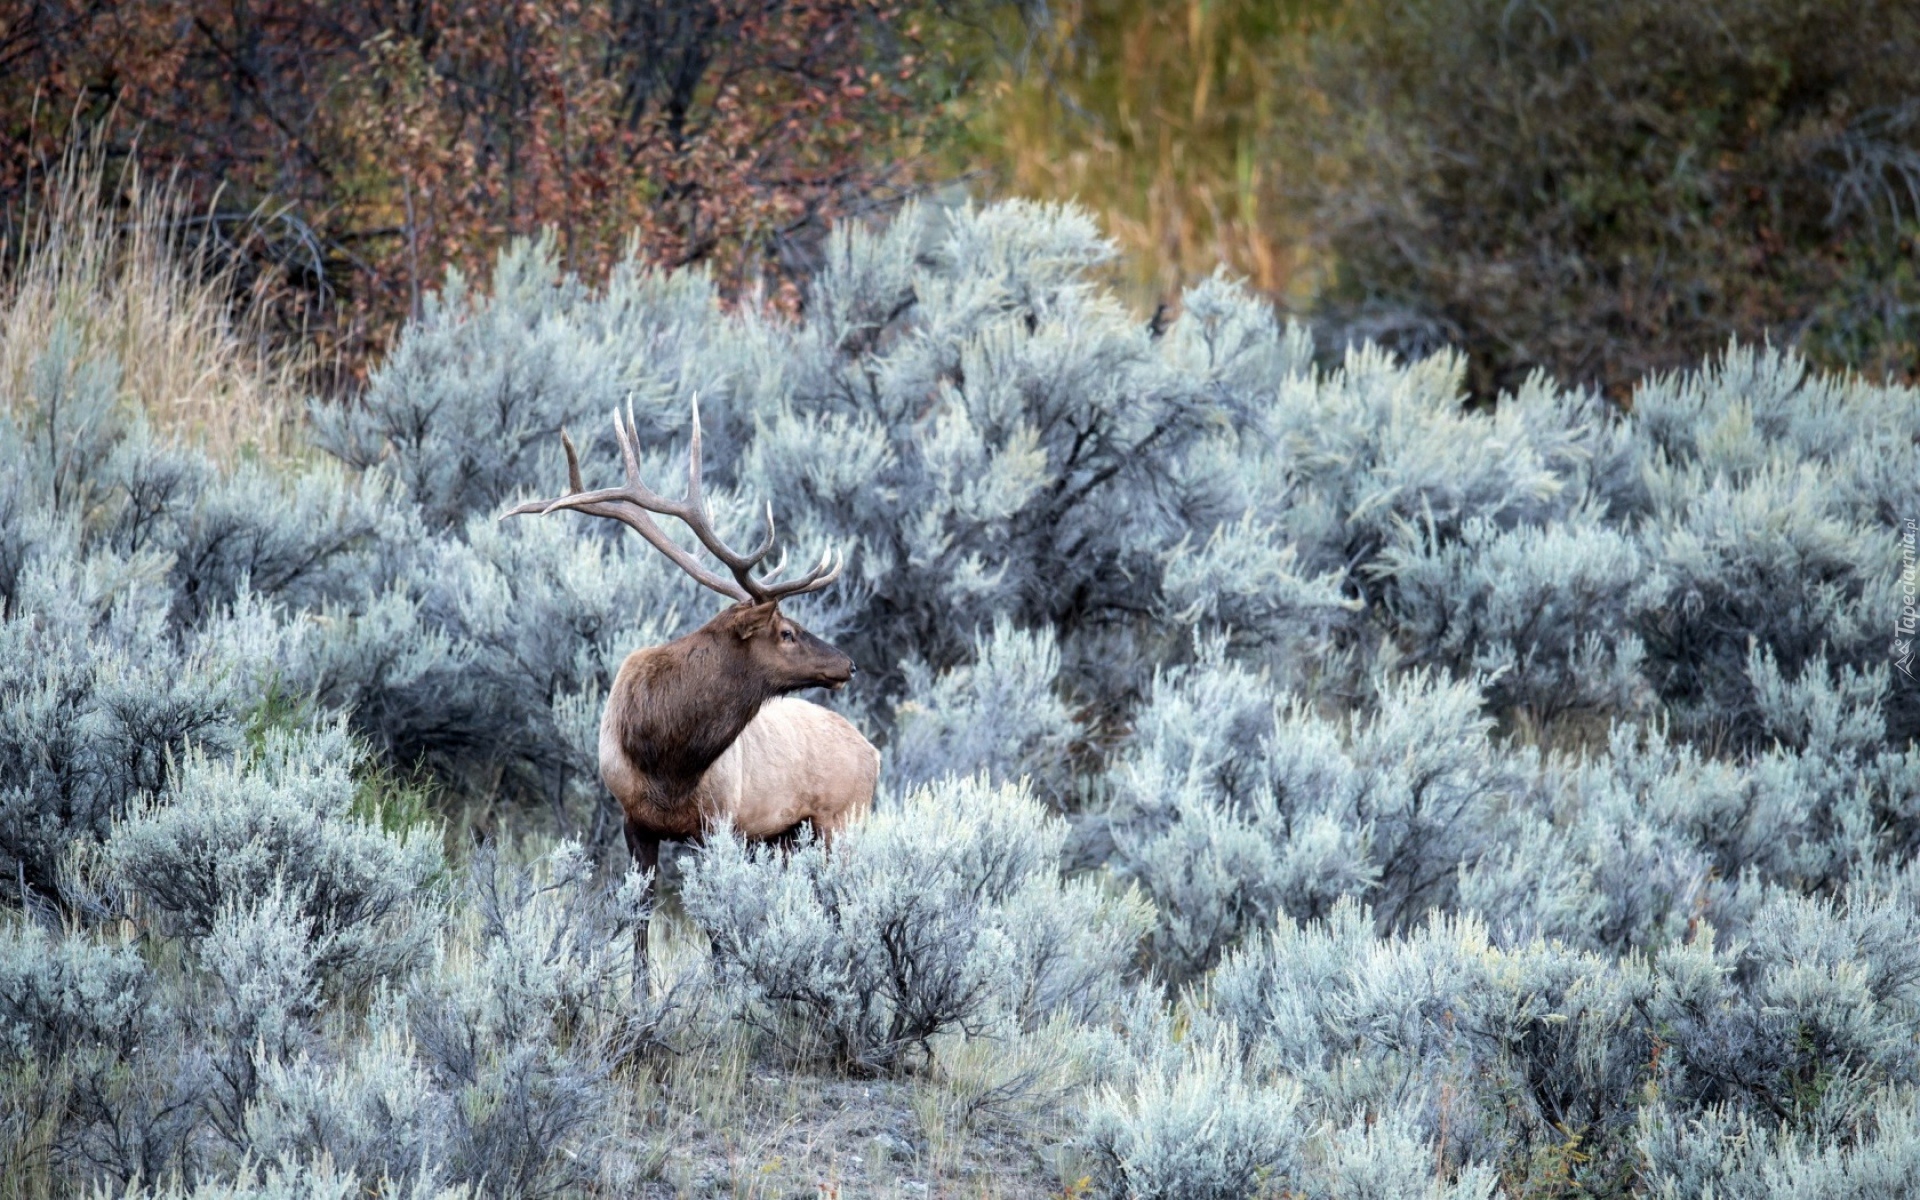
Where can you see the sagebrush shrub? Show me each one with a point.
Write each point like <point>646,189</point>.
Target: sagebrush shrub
<point>1544,613</point>
<point>943,912</point>
<point>98,698</point>
<point>58,994</point>
<point>522,1031</point>
<point>1523,790</point>
<point>1203,1132</point>
<point>1722,1152</point>
<point>284,1181</point>
<point>998,714</point>
<point>1384,1157</point>
<point>1234,806</point>
<point>1442,1027</point>
<point>232,833</point>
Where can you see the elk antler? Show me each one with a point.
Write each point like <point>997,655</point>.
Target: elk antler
<point>633,503</point>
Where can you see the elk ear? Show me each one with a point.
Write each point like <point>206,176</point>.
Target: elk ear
<point>756,619</point>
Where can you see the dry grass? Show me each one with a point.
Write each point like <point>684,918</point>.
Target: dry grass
<point>1171,122</point>
<point>126,265</point>
<point>726,1113</point>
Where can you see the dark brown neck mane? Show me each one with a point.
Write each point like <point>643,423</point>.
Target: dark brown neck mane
<point>690,699</point>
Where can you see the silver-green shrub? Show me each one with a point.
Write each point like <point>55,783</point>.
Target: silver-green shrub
<point>1775,499</point>
<point>1384,1157</point>
<point>1235,805</point>
<point>1724,1153</point>
<point>1202,1131</point>
<point>1495,1051</point>
<point>944,911</point>
<point>374,1113</point>
<point>230,834</point>
<point>522,1023</point>
<point>98,697</point>
<point>1544,613</point>
<point>1524,789</point>
<point>282,1181</point>
<point>997,714</point>
<point>59,994</point>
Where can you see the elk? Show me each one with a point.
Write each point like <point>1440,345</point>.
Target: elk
<point>702,731</point>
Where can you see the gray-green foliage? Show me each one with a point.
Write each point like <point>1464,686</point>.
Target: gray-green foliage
<point>1269,646</point>
<point>230,833</point>
<point>1212,1123</point>
<point>945,911</point>
<point>97,697</point>
<point>483,1075</point>
<point>1546,613</point>
<point>1801,1030</point>
<point>1201,1131</point>
<point>462,412</point>
<point>1727,1153</point>
<point>60,994</point>
<point>1775,498</point>
<point>1000,713</point>
<point>481,1064</point>
<point>1235,805</point>
<point>519,1038</point>
<point>283,1181</point>
<point>1491,1050</point>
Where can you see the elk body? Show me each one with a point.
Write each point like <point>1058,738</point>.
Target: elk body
<point>794,764</point>
<point>702,731</point>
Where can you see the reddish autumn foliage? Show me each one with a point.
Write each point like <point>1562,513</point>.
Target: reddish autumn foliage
<point>362,147</point>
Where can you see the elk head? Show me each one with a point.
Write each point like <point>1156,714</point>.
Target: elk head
<point>780,651</point>
<point>764,644</point>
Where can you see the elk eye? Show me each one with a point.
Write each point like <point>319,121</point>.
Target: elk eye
<point>786,635</point>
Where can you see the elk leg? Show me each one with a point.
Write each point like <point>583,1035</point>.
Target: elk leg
<point>645,848</point>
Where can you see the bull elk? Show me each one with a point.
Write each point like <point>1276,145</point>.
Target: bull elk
<point>701,731</point>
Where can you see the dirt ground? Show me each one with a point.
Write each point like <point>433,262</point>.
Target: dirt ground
<point>726,1112</point>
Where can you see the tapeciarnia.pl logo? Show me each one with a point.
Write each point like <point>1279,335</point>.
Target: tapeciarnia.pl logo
<point>1909,619</point>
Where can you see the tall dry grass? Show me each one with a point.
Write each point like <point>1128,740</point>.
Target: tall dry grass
<point>133,269</point>
<point>1175,123</point>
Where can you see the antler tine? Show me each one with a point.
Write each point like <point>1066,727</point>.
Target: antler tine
<point>633,503</point>
<point>573,463</point>
<point>628,505</point>
<point>831,564</point>
<point>634,492</point>
<point>696,500</point>
<point>773,572</point>
<point>693,511</point>
<point>628,435</point>
<point>532,507</point>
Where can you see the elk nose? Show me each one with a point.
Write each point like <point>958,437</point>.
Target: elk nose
<point>852,670</point>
